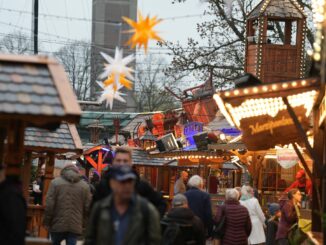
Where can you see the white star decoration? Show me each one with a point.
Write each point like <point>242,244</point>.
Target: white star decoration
<point>109,94</point>
<point>117,66</point>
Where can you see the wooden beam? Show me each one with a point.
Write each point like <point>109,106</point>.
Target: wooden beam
<point>49,169</point>
<point>26,175</point>
<point>15,148</point>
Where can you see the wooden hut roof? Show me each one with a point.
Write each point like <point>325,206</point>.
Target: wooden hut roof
<point>36,89</point>
<point>63,139</point>
<point>141,157</point>
<point>277,8</point>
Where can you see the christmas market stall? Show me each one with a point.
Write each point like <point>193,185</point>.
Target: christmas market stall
<point>35,92</point>
<point>45,146</point>
<point>274,114</point>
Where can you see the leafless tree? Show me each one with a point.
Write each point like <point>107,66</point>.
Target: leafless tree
<point>16,43</point>
<point>150,84</point>
<point>224,38</point>
<point>76,58</point>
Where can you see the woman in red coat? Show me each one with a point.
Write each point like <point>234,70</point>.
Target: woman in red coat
<point>288,217</point>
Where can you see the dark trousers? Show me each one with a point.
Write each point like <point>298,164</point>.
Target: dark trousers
<point>58,237</point>
<point>283,241</point>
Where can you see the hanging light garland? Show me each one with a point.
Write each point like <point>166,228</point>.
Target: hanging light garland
<point>318,8</point>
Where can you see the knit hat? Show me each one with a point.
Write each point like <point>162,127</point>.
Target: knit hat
<point>273,208</point>
<point>179,200</point>
<point>300,174</point>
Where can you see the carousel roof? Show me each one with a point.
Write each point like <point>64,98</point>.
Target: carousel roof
<point>63,139</point>
<point>277,8</point>
<point>34,86</point>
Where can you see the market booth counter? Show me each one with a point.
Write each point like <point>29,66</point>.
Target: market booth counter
<point>35,93</point>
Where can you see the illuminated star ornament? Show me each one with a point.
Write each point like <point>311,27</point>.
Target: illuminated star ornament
<point>116,71</point>
<point>110,94</point>
<point>143,31</point>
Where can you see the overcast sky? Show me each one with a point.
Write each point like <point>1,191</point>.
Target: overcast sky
<point>15,15</point>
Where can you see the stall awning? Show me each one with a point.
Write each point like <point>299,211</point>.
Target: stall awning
<point>261,112</point>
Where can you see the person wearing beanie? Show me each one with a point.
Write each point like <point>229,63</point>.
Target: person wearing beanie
<point>301,183</point>
<point>272,223</point>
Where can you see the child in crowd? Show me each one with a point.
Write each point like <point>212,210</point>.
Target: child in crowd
<point>272,223</point>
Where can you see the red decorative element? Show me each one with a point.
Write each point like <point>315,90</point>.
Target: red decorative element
<point>201,110</point>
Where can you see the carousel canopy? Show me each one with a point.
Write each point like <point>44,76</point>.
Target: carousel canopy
<point>277,8</point>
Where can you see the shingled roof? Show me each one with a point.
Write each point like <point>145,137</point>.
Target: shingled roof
<point>141,157</point>
<point>35,89</point>
<point>277,8</point>
<point>63,139</point>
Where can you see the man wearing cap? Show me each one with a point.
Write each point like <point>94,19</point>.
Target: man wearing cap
<point>12,212</point>
<point>189,229</point>
<point>123,217</point>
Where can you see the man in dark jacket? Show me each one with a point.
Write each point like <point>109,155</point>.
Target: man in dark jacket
<point>66,206</point>
<point>186,227</point>
<point>123,156</point>
<point>123,218</point>
<point>200,202</point>
<point>12,212</point>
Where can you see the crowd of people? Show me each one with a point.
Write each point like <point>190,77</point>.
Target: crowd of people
<point>120,208</point>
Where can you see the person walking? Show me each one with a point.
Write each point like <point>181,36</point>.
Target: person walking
<point>123,157</point>
<point>237,224</point>
<point>200,202</point>
<point>180,184</point>
<point>181,226</point>
<point>12,211</point>
<point>272,223</point>
<point>124,217</point>
<point>288,216</point>
<point>257,235</point>
<point>66,206</point>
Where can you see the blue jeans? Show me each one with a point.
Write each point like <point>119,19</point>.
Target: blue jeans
<point>58,237</point>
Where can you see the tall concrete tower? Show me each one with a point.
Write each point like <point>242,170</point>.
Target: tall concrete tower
<point>108,32</point>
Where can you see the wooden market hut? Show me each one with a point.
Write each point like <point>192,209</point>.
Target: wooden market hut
<point>275,41</point>
<point>46,146</point>
<point>35,92</point>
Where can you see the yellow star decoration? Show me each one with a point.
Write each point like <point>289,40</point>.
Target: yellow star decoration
<point>122,79</point>
<point>143,31</point>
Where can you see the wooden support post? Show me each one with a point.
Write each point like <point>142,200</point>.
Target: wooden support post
<point>15,148</point>
<point>3,134</point>
<point>288,32</point>
<point>26,175</point>
<point>49,169</point>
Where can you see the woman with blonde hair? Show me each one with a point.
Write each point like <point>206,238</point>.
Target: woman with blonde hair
<point>257,235</point>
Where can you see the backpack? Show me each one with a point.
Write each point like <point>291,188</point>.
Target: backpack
<point>177,234</point>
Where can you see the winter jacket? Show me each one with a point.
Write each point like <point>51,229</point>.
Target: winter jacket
<point>272,225</point>
<point>258,219</point>
<point>191,227</point>
<point>12,215</point>
<point>237,224</point>
<point>67,203</point>
<point>200,203</point>
<point>143,227</point>
<point>143,188</point>
<point>288,218</point>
